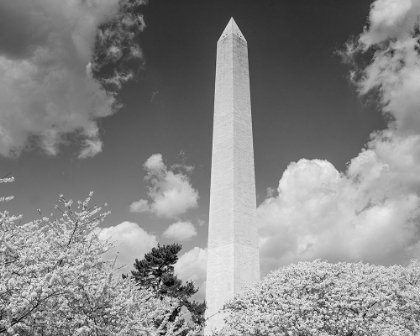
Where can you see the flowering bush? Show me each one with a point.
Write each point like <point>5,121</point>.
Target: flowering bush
<point>318,299</point>
<point>53,280</point>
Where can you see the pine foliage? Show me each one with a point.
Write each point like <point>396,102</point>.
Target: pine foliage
<point>156,271</point>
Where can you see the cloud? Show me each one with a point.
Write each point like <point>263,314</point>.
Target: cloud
<point>139,206</point>
<point>132,242</point>
<point>180,231</point>
<point>52,77</point>
<point>192,266</point>
<point>370,212</point>
<point>91,148</point>
<point>170,191</point>
<point>394,70</point>
<point>391,19</point>
<point>365,214</point>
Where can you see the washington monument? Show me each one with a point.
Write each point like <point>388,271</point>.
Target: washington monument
<point>233,256</point>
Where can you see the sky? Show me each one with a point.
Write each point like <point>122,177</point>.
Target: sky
<point>116,97</point>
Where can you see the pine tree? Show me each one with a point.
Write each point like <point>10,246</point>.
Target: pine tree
<point>156,271</point>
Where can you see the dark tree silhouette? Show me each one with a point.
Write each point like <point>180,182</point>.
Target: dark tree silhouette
<point>156,271</point>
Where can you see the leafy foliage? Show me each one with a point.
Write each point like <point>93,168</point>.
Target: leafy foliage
<point>54,281</point>
<point>156,271</point>
<point>319,299</point>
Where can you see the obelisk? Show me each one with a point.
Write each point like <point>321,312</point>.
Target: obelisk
<point>233,255</point>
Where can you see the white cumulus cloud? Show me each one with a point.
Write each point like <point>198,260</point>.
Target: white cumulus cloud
<point>180,231</point>
<point>395,19</point>
<point>320,213</point>
<point>132,242</point>
<point>370,212</point>
<point>139,206</point>
<point>192,265</point>
<point>394,70</point>
<point>51,58</point>
<point>170,192</point>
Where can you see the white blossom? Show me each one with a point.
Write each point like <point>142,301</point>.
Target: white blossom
<point>319,299</point>
<point>54,281</point>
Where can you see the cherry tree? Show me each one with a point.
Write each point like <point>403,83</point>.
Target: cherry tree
<point>319,299</point>
<point>54,281</point>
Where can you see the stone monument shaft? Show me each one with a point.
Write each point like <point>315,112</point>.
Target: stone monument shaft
<point>233,255</point>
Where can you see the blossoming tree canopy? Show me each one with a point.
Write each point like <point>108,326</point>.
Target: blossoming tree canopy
<point>54,281</point>
<point>319,298</point>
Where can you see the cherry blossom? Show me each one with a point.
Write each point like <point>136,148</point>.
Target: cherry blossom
<point>54,281</point>
<point>319,298</point>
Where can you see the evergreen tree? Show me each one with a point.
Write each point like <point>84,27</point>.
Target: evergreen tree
<point>156,271</point>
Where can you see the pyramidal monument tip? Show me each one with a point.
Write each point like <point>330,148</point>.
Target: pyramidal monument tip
<point>232,29</point>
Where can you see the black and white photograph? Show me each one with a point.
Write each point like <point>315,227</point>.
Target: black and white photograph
<point>224,167</point>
